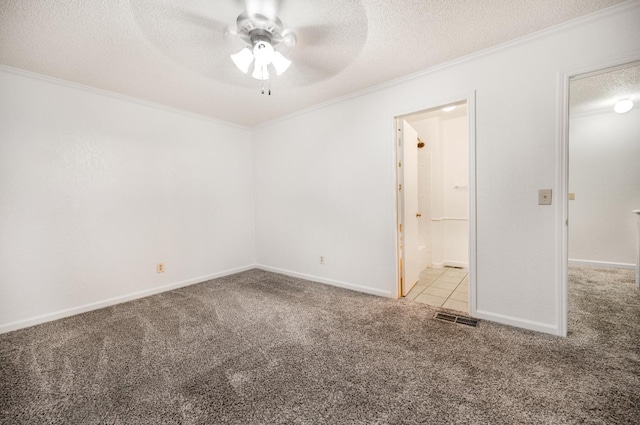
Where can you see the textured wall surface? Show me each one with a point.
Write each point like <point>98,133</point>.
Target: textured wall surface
<point>95,190</point>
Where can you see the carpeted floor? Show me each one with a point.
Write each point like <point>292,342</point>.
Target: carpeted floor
<point>261,348</point>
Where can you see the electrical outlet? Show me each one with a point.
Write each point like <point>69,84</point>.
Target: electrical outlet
<point>544,197</point>
<point>160,268</point>
<point>322,259</point>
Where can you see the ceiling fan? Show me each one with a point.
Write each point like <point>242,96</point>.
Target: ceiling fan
<point>208,36</point>
<point>262,35</point>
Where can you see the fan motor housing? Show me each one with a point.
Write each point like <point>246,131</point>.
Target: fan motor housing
<point>254,28</point>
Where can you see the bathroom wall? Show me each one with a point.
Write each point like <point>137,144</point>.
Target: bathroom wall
<point>444,186</point>
<point>455,191</point>
<point>425,193</point>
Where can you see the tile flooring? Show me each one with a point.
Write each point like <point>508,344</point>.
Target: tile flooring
<point>447,287</point>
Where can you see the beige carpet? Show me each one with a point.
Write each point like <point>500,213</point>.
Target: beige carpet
<point>261,348</point>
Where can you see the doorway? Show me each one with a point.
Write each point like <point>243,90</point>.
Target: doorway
<point>601,233</point>
<point>436,206</point>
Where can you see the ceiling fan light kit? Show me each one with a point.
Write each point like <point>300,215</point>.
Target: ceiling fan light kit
<point>262,35</point>
<point>243,59</point>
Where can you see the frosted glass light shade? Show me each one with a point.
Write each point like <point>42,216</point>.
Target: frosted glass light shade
<point>260,72</point>
<point>280,63</point>
<point>243,59</point>
<point>263,53</point>
<point>262,56</point>
<point>623,106</point>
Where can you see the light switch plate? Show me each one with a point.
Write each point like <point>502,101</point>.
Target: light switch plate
<point>544,197</point>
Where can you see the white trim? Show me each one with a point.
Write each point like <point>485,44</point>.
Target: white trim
<point>574,262</point>
<point>517,322</point>
<point>318,279</point>
<point>449,218</point>
<point>609,11</point>
<point>562,207</point>
<point>60,314</point>
<point>562,175</point>
<point>593,112</point>
<point>472,205</point>
<point>397,220</point>
<point>119,96</point>
<point>451,263</point>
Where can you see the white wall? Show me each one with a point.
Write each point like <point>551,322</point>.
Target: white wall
<point>425,194</point>
<point>455,188</point>
<point>604,174</point>
<point>325,179</point>
<point>429,183</point>
<point>95,190</point>
<point>447,140</point>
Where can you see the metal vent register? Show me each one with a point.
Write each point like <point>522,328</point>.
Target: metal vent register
<point>445,317</point>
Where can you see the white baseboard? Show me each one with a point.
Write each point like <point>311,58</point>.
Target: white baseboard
<point>456,264</point>
<point>516,322</point>
<point>346,285</point>
<point>60,314</point>
<point>449,263</point>
<point>573,262</point>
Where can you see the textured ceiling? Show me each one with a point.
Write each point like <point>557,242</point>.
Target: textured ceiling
<point>602,91</point>
<point>174,52</point>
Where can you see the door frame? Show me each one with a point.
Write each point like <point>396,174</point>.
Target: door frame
<point>562,165</point>
<point>470,98</point>
<point>401,147</point>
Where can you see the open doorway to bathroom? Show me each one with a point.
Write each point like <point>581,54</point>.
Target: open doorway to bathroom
<point>433,206</point>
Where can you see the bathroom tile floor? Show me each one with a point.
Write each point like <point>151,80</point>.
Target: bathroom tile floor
<point>447,287</point>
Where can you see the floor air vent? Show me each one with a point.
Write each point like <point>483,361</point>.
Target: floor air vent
<point>457,319</point>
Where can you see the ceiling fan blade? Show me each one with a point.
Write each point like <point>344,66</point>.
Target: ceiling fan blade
<point>306,72</point>
<point>289,38</point>
<point>196,34</point>
<point>229,32</point>
<point>199,20</point>
<point>311,35</point>
<point>267,8</point>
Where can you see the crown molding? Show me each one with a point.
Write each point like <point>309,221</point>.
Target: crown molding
<point>603,13</point>
<point>118,96</point>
